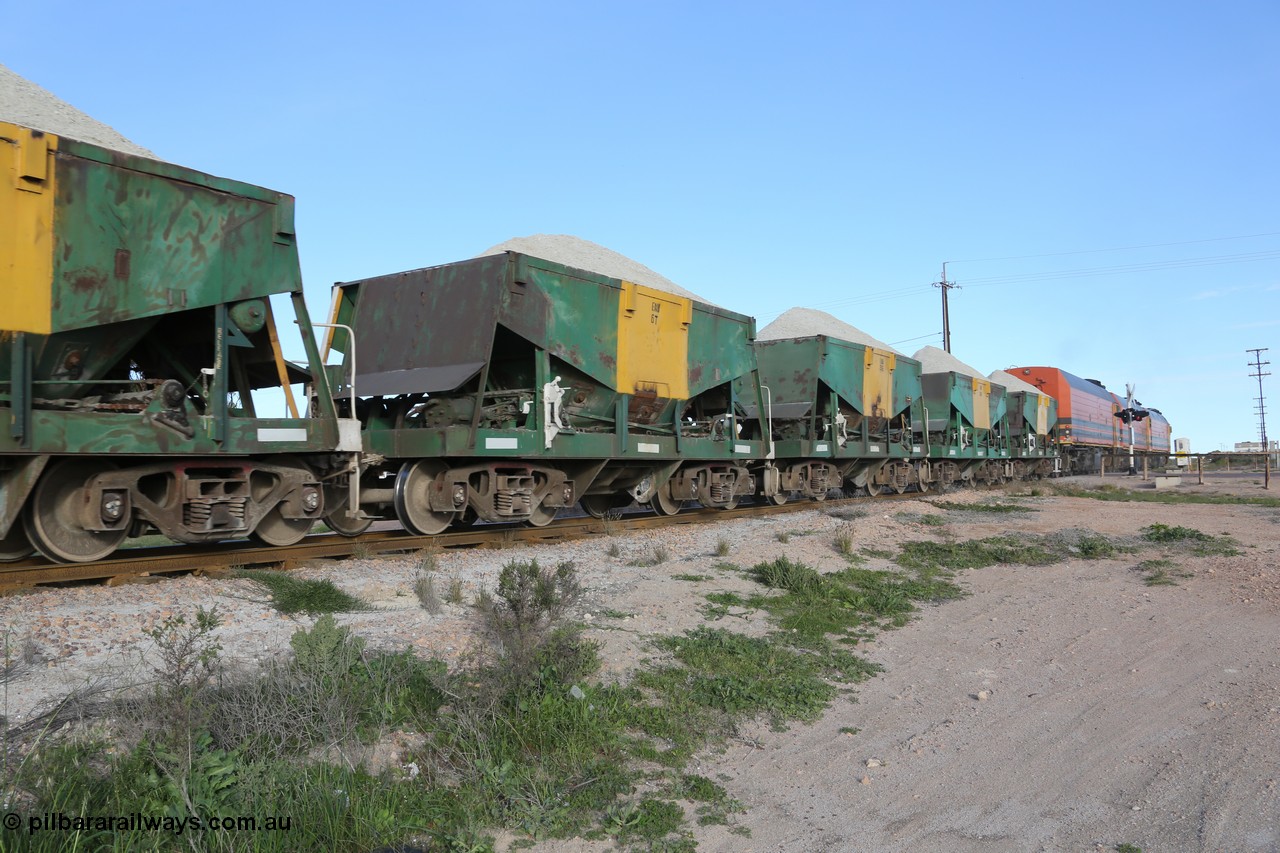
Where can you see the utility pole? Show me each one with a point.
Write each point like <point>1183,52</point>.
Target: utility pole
<point>1257,364</point>
<point>946,318</point>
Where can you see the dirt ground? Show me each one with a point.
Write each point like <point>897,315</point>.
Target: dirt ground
<point>1059,708</point>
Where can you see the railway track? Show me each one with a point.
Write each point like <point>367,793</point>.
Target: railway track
<point>140,563</point>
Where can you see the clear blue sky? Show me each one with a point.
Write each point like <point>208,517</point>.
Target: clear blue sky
<point>1101,176</point>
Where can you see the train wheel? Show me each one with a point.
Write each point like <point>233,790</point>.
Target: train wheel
<point>542,516</point>
<point>340,522</point>
<point>663,503</point>
<point>53,519</point>
<point>277,531</point>
<point>337,519</point>
<point>413,503</point>
<point>598,506</point>
<point>779,499</point>
<point>15,545</point>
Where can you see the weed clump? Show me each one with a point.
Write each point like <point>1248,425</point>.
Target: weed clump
<point>784,574</point>
<point>843,542</point>
<point>657,557</point>
<point>292,595</point>
<point>1201,544</point>
<point>424,587</point>
<point>525,619</point>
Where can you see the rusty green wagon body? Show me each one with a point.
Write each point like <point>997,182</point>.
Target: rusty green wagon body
<point>135,327</point>
<point>508,387</point>
<point>842,413</point>
<point>965,427</point>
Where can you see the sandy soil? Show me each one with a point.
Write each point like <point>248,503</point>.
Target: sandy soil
<point>1068,707</point>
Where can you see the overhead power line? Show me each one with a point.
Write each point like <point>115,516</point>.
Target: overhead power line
<point>1060,275</point>
<point>1122,269</point>
<point>1119,248</point>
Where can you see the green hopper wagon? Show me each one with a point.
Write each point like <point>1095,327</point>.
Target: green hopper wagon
<point>507,387</point>
<point>135,327</point>
<point>841,412</point>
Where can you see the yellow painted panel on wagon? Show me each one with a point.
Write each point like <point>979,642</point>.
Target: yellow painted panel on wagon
<point>877,382</point>
<point>1042,414</point>
<point>26,229</point>
<point>981,404</point>
<point>653,342</point>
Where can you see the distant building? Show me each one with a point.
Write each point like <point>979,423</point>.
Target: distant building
<point>1256,447</point>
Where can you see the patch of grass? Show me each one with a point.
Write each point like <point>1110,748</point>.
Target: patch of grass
<point>722,547</point>
<point>1165,533</point>
<point>1007,550</point>
<point>849,730</point>
<point>975,553</point>
<point>783,536</point>
<point>1160,572</point>
<point>614,550</point>
<point>693,578</point>
<point>292,595</point>
<point>881,553</point>
<point>728,599</point>
<point>714,805</point>
<point>720,602</point>
<point>997,508</point>
<point>784,574</point>
<point>1095,547</point>
<point>932,520</point>
<point>613,613</point>
<point>1201,544</point>
<point>1113,493</point>
<point>837,604</point>
<point>648,824</point>
<point>739,676</point>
